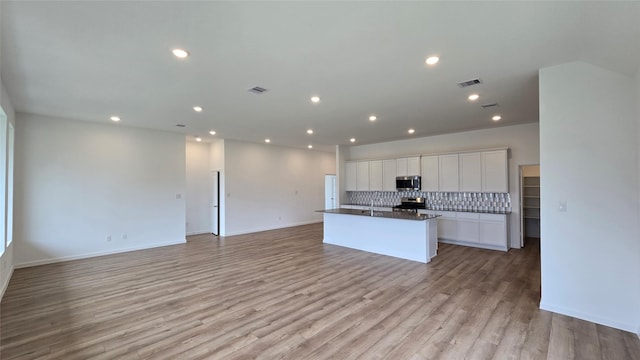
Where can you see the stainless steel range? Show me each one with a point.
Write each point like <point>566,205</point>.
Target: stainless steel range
<point>410,204</point>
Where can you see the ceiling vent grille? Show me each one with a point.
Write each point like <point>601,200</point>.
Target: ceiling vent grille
<point>488,106</point>
<point>181,125</point>
<point>470,83</point>
<point>258,90</point>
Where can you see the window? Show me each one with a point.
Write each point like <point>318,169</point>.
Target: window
<point>3,179</point>
<point>10,153</point>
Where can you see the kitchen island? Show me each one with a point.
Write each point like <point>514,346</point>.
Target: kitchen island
<point>404,235</point>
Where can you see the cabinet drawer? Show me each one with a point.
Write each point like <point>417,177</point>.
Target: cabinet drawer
<point>493,217</point>
<point>467,216</point>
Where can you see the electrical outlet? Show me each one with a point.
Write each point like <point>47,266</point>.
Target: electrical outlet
<point>124,236</point>
<point>108,238</point>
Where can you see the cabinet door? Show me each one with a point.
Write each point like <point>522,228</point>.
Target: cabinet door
<point>447,228</point>
<point>468,227</point>
<point>401,167</point>
<point>389,173</point>
<point>471,172</point>
<point>493,233</point>
<point>350,178</point>
<point>495,171</point>
<point>413,166</point>
<point>375,175</point>
<point>448,175</point>
<point>362,175</point>
<point>430,173</point>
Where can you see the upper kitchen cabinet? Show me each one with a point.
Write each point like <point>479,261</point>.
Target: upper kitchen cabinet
<point>448,172</point>
<point>362,175</point>
<point>471,172</point>
<point>494,171</point>
<point>430,173</point>
<point>350,178</point>
<point>408,166</point>
<point>375,175</point>
<point>389,173</point>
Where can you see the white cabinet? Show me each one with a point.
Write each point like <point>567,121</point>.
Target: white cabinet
<point>448,172</point>
<point>447,226</point>
<point>350,178</point>
<point>408,166</point>
<point>488,231</point>
<point>389,173</point>
<point>375,175</point>
<point>468,227</point>
<point>471,172</point>
<point>494,171</point>
<point>430,173</point>
<point>493,230</point>
<point>362,175</point>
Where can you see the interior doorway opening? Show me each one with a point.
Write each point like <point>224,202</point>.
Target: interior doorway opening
<point>529,203</point>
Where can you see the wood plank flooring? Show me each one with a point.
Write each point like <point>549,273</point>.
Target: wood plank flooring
<point>282,294</point>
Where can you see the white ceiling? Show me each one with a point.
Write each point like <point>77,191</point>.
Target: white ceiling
<point>90,60</point>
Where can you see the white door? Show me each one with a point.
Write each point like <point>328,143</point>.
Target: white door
<point>215,202</point>
<point>330,199</point>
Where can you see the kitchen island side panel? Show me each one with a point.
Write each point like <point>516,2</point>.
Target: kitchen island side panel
<point>405,239</point>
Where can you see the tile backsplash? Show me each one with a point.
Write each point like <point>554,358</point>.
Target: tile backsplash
<point>474,201</point>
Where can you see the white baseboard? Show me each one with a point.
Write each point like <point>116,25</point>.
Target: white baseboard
<point>589,317</point>
<point>95,254</point>
<point>5,285</point>
<point>198,232</point>
<point>254,230</point>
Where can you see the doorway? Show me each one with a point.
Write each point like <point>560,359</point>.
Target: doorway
<point>330,198</point>
<point>529,203</point>
<point>215,203</point>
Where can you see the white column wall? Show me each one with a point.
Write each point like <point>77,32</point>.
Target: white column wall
<point>199,191</point>
<point>79,182</point>
<point>270,187</point>
<point>521,139</point>
<point>590,253</point>
<point>7,258</point>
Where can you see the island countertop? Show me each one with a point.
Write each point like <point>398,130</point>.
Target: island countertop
<point>382,214</point>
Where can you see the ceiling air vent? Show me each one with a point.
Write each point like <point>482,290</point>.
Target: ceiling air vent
<point>258,90</point>
<point>470,83</point>
<point>181,125</point>
<point>488,106</point>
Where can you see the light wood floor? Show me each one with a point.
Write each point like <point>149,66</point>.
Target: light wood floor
<point>283,294</point>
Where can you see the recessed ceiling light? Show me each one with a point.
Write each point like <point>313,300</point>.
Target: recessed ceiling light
<point>496,117</point>
<point>115,118</point>
<point>267,140</point>
<point>212,132</point>
<point>432,60</point>
<point>310,131</point>
<point>352,139</point>
<point>179,53</point>
<point>373,118</point>
<point>198,138</point>
<point>315,99</point>
<point>197,108</point>
<point>310,146</point>
<point>411,131</point>
<point>473,97</point>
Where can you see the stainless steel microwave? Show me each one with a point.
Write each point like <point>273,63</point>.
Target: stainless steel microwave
<point>408,183</point>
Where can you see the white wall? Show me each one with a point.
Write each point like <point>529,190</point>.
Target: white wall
<point>269,187</point>
<point>78,182</point>
<point>198,195</point>
<point>521,139</point>
<point>590,254</point>
<point>7,258</point>
<point>216,159</point>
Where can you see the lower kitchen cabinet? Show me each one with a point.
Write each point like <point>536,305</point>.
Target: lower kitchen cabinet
<point>493,229</point>
<point>488,231</point>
